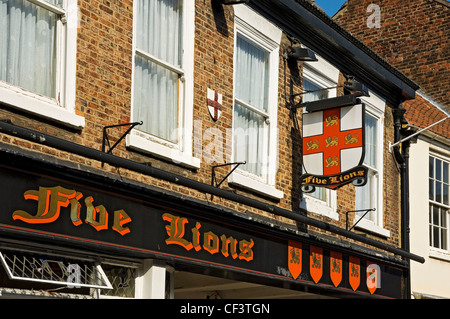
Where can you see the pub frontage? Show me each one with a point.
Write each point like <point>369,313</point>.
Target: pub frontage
<point>251,161</point>
<point>86,232</point>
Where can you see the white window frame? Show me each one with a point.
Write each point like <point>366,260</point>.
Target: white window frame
<point>375,107</point>
<point>62,108</point>
<point>262,32</point>
<point>181,152</point>
<point>324,75</point>
<point>436,251</point>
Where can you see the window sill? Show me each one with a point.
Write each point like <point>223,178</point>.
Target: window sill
<point>150,147</point>
<point>39,105</point>
<point>314,205</point>
<point>369,226</point>
<point>439,254</point>
<point>255,185</point>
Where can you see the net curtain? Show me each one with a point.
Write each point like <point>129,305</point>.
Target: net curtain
<point>28,46</point>
<point>158,34</point>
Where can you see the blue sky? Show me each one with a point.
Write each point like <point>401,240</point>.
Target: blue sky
<point>330,6</point>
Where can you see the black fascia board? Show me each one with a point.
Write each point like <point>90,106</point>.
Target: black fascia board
<point>320,33</point>
<point>339,101</point>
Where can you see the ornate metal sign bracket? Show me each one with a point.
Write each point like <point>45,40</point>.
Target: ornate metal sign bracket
<point>105,139</point>
<point>213,173</point>
<point>356,211</point>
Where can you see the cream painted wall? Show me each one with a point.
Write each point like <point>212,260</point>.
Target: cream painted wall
<point>432,277</point>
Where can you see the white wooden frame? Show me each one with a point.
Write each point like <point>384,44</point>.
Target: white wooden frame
<point>375,106</point>
<point>62,108</point>
<point>181,152</point>
<point>262,32</point>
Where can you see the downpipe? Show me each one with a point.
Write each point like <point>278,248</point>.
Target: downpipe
<point>402,159</point>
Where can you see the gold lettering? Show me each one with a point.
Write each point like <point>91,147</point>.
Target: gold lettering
<point>307,180</point>
<point>121,218</point>
<point>75,208</point>
<point>50,200</point>
<point>196,236</point>
<point>334,179</point>
<point>246,249</point>
<point>91,215</point>
<point>175,230</point>
<point>211,242</point>
<point>229,246</point>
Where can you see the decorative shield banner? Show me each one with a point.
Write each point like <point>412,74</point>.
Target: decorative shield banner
<point>316,263</point>
<point>214,103</point>
<point>354,270</point>
<point>373,277</point>
<point>295,258</point>
<point>333,147</point>
<point>336,267</point>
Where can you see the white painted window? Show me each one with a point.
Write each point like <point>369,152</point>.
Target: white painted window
<point>317,76</point>
<point>439,198</point>
<point>162,95</point>
<point>370,196</point>
<point>256,61</point>
<point>38,58</point>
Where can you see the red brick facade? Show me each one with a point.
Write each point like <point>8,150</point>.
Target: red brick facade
<point>413,36</point>
<point>103,97</point>
<point>104,79</point>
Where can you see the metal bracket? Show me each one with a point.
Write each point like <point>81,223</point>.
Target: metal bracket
<point>339,101</point>
<point>356,211</point>
<point>391,146</point>
<point>213,173</point>
<point>105,139</point>
<point>318,90</point>
<point>295,105</point>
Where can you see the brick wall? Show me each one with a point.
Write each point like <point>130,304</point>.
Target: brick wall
<point>413,36</point>
<point>103,97</point>
<point>104,64</point>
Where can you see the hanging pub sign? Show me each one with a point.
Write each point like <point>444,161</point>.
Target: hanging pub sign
<point>333,148</point>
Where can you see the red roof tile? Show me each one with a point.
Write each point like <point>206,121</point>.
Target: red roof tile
<point>422,113</point>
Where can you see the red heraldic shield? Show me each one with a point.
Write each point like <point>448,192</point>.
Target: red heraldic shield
<point>333,143</point>
<point>214,103</point>
<point>295,258</point>
<point>316,263</point>
<point>336,267</point>
<point>354,274</point>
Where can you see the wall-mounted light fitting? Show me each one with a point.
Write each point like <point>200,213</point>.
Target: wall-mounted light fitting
<point>352,86</point>
<point>300,54</point>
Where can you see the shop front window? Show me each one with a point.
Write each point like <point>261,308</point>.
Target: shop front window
<point>122,281</point>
